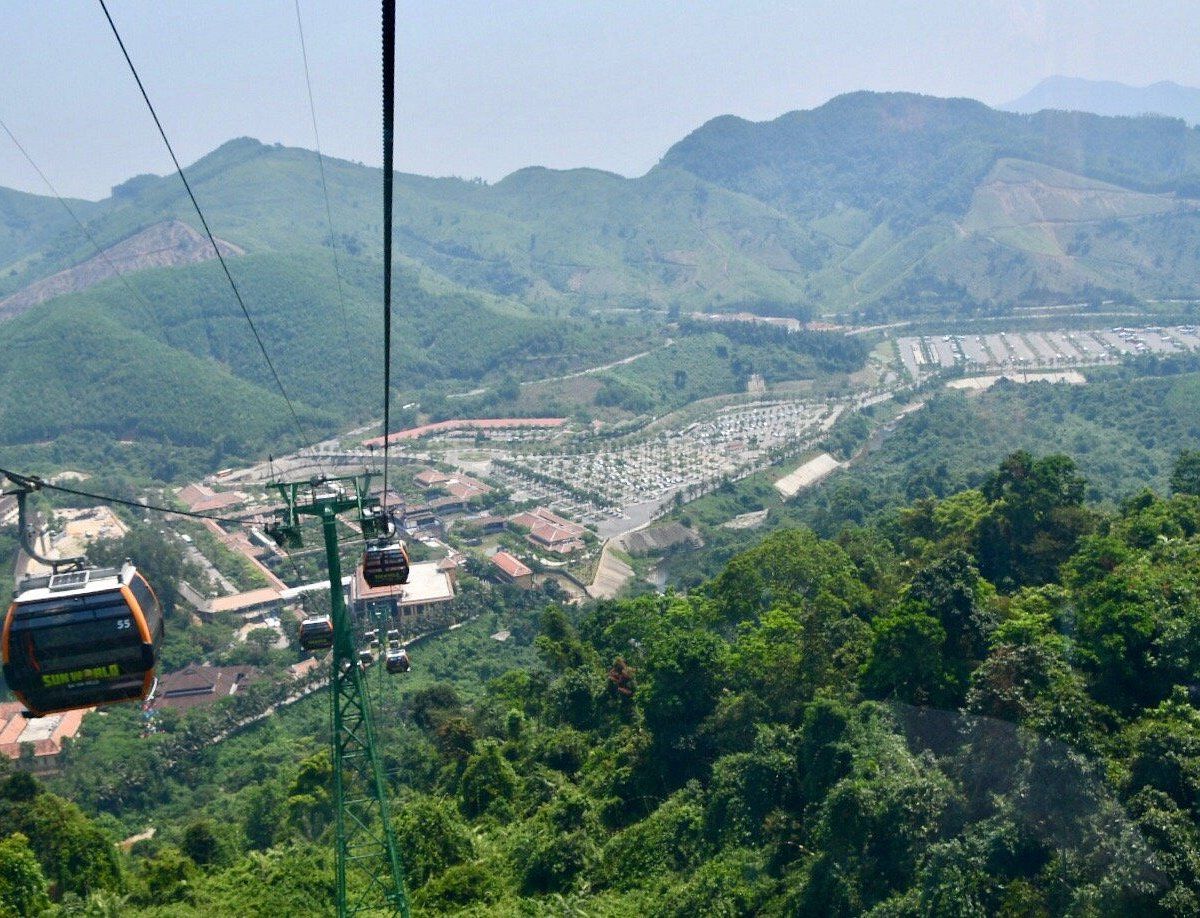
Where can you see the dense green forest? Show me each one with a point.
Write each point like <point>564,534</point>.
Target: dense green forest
<point>984,706</point>
<point>187,386</point>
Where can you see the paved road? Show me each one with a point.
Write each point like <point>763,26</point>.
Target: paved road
<point>599,369</point>
<point>635,516</point>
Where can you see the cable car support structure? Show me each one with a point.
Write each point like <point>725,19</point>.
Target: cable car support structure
<point>370,879</point>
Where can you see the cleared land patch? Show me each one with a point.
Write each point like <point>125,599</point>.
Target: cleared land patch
<point>807,474</point>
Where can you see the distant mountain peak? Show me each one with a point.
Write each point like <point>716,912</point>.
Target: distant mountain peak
<point>1108,97</point>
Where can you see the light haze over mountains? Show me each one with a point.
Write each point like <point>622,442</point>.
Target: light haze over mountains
<point>1106,97</point>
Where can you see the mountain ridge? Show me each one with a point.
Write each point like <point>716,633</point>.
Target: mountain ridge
<point>735,210</point>
<point>1108,97</point>
<point>877,205</point>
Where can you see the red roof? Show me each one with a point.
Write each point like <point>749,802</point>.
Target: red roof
<point>465,489</point>
<point>45,734</point>
<point>430,477</point>
<point>546,526</point>
<point>510,565</point>
<point>549,534</point>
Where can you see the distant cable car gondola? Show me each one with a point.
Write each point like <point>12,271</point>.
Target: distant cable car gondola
<point>81,639</point>
<point>397,661</point>
<point>385,563</point>
<point>316,633</point>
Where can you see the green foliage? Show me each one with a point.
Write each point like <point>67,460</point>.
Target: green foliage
<point>732,884</point>
<point>201,843</point>
<point>458,888</point>
<point>908,660</point>
<point>668,840</point>
<point>791,565</point>
<point>309,801</point>
<point>74,853</point>
<point>488,782</point>
<point>683,675</point>
<point>265,812</point>
<point>432,836</point>
<point>556,845</point>
<point>1034,521</point>
<point>1165,746</point>
<point>168,876</point>
<point>866,725</point>
<point>826,351</point>
<point>22,883</point>
<point>284,881</point>
<point>1185,476</point>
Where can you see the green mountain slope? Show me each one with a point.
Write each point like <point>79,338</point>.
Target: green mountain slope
<point>879,203</point>
<point>909,185</point>
<point>32,227</point>
<point>871,198</point>
<point>188,371</point>
<point>82,370</point>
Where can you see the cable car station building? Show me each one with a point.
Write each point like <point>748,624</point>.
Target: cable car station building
<point>427,588</point>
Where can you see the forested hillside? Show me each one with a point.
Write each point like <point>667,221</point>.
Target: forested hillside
<point>985,708</point>
<point>876,204</point>
<point>866,202</point>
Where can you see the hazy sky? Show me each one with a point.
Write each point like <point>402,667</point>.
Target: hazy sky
<point>488,86</point>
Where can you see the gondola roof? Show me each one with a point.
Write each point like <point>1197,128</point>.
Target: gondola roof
<point>48,586</point>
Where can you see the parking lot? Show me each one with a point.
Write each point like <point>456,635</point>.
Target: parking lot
<point>645,471</point>
<point>926,354</point>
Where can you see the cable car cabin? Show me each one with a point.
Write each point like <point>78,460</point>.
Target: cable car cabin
<point>385,563</point>
<point>397,661</point>
<point>82,639</point>
<point>316,633</point>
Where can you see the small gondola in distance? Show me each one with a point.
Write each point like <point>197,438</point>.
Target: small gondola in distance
<point>316,633</point>
<point>397,661</point>
<point>82,639</point>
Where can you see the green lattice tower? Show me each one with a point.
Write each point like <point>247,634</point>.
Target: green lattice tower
<point>369,876</point>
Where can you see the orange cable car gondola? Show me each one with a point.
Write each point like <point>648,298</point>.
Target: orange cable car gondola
<point>316,633</point>
<point>385,563</point>
<point>81,639</point>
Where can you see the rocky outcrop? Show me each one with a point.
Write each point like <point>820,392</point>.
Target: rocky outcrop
<point>164,245</point>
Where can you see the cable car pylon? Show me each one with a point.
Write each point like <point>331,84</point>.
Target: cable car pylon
<point>370,879</point>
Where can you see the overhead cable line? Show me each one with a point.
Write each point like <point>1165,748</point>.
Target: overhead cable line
<point>35,483</point>
<point>389,109</point>
<point>304,438</point>
<point>82,226</point>
<point>324,187</point>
